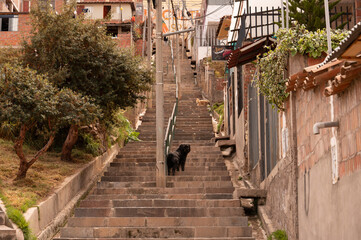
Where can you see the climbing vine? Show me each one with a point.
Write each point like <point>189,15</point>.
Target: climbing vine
<point>270,75</point>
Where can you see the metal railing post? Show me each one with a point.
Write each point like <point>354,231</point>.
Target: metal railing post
<point>160,175</point>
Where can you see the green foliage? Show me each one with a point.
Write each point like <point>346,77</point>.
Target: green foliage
<point>278,235</point>
<point>311,13</point>
<point>219,108</point>
<point>78,55</point>
<point>76,109</point>
<point>7,130</point>
<point>25,96</point>
<point>28,98</point>
<point>92,145</point>
<point>120,128</point>
<point>270,77</point>
<point>9,55</point>
<point>16,216</point>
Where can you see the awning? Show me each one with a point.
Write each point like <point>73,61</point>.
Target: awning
<point>223,27</point>
<point>249,53</point>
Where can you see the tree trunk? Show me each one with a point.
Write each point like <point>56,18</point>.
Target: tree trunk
<point>18,146</point>
<point>25,165</point>
<point>69,143</point>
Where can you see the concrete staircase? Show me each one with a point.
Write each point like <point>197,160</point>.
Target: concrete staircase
<point>196,204</point>
<point>6,233</point>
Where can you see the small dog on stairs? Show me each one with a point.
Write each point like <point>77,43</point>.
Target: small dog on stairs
<point>178,158</point>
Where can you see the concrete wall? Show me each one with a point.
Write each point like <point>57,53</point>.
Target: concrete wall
<point>212,87</point>
<point>329,188</point>
<point>42,216</point>
<point>203,52</point>
<point>328,211</point>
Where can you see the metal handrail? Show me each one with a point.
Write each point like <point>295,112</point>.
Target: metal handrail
<point>169,134</point>
<point>170,129</point>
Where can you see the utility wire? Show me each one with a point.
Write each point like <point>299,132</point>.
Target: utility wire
<point>219,8</point>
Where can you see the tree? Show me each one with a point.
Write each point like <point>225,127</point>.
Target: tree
<point>76,53</point>
<point>28,99</point>
<point>311,13</point>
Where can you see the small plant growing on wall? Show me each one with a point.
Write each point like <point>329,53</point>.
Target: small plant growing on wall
<point>278,235</point>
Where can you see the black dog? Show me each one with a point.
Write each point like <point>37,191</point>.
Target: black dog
<point>174,159</point>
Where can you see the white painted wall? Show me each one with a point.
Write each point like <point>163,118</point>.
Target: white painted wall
<point>262,3</point>
<point>203,52</point>
<point>215,12</point>
<point>96,11</point>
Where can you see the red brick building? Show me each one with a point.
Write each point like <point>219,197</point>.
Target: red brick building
<point>117,16</point>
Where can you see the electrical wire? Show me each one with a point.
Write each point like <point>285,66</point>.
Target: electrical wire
<point>219,8</point>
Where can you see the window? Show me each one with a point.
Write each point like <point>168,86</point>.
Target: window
<point>125,28</point>
<point>240,89</point>
<point>9,23</point>
<point>112,31</point>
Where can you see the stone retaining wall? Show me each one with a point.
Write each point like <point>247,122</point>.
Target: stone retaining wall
<point>42,216</point>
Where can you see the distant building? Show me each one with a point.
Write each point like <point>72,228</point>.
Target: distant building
<point>207,24</point>
<point>116,15</point>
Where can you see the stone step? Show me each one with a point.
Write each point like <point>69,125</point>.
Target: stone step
<point>138,169</point>
<point>153,191</point>
<point>198,178</point>
<point>159,212</point>
<point>190,163</point>
<point>160,203</point>
<point>139,160</point>
<point>156,221</point>
<point>109,172</point>
<point>169,178</point>
<point>209,196</point>
<point>206,184</point>
<point>2,217</point>
<point>109,184</point>
<point>178,238</point>
<point>7,233</point>
<point>156,232</point>
<point>135,155</point>
<point>128,178</point>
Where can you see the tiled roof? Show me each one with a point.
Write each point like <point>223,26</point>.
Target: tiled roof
<point>344,44</point>
<point>339,68</point>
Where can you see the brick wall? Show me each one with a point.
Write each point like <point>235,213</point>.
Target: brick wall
<point>312,107</point>
<point>124,40</point>
<point>248,72</point>
<point>348,111</point>
<point>139,47</point>
<point>358,10</point>
<point>15,38</point>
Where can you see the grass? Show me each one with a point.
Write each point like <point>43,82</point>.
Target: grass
<point>42,178</point>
